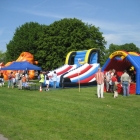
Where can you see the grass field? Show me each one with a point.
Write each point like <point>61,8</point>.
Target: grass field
<point>67,114</point>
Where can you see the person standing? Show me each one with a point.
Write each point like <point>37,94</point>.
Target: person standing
<point>41,81</point>
<point>54,78</point>
<point>10,80</point>
<point>20,80</point>
<point>17,77</point>
<point>27,75</point>
<point>111,83</point>
<point>107,80</point>
<point>1,79</point>
<point>129,84</point>
<point>125,83</point>
<point>24,81</point>
<point>100,83</point>
<point>114,81</point>
<point>47,82</point>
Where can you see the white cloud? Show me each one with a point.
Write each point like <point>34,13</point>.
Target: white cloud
<point>113,38</point>
<point>117,33</point>
<point>111,26</point>
<point>113,32</point>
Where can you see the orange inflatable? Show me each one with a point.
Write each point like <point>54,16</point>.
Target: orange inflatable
<point>24,56</point>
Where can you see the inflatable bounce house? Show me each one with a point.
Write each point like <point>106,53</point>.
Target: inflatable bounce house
<point>25,57</point>
<point>122,60</point>
<point>80,66</point>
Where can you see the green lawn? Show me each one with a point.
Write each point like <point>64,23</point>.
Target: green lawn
<point>67,114</point>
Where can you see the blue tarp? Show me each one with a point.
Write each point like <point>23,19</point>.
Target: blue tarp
<point>23,65</point>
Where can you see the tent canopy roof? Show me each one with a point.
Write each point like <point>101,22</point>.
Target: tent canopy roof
<point>23,65</point>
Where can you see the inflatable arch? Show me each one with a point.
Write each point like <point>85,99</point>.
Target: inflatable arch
<point>121,60</point>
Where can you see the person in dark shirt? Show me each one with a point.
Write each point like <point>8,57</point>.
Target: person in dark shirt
<point>1,79</point>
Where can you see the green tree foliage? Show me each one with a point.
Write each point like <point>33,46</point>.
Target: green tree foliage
<point>50,44</point>
<point>64,36</point>
<point>23,40</point>
<point>130,48</point>
<point>2,57</point>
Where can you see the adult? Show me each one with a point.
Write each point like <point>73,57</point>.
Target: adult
<point>27,75</point>
<point>20,80</point>
<point>10,80</point>
<point>17,77</point>
<point>107,80</point>
<point>41,81</point>
<point>24,81</point>
<point>100,83</point>
<point>111,84</point>
<point>1,79</point>
<point>54,78</point>
<point>125,83</point>
<point>129,84</point>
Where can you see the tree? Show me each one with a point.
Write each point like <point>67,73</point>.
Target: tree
<point>64,36</point>
<point>2,57</point>
<point>50,44</point>
<point>23,40</point>
<point>125,47</point>
<point>129,47</point>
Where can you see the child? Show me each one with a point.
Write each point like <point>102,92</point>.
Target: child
<point>114,79</point>
<point>115,90</point>
<point>47,83</point>
<point>114,85</point>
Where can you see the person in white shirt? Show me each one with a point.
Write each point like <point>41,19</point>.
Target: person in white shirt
<point>54,78</point>
<point>47,82</point>
<point>17,78</point>
<point>112,74</point>
<point>107,80</point>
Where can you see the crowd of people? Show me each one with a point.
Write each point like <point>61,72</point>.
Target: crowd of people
<point>44,78</point>
<point>20,79</point>
<point>110,80</point>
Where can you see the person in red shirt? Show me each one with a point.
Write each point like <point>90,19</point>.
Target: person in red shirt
<point>114,81</point>
<point>100,83</point>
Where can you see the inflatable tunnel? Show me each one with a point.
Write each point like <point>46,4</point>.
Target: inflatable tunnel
<point>122,60</point>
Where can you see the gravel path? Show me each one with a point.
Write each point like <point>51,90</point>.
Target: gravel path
<point>2,137</point>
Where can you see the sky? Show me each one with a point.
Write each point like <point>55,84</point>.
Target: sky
<point>118,20</point>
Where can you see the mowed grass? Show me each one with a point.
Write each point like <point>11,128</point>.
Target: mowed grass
<point>67,114</point>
